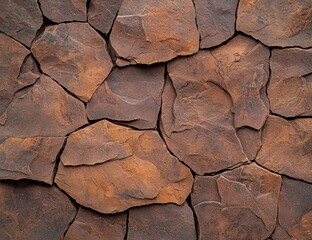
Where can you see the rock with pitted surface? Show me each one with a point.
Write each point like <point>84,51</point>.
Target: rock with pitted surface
<point>90,225</point>
<point>250,140</point>
<point>148,31</point>
<point>287,147</point>
<point>290,87</point>
<point>167,221</point>
<point>31,211</point>
<point>111,168</point>
<point>75,55</point>
<point>237,204</point>
<point>131,95</point>
<point>215,20</point>
<point>277,23</point>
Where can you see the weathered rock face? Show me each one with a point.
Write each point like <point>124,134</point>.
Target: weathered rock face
<point>167,221</point>
<point>287,147</point>
<point>142,33</point>
<point>131,95</point>
<point>250,140</point>
<point>30,211</point>
<point>277,23</point>
<point>20,19</point>
<point>239,204</point>
<point>215,20</point>
<point>89,225</point>
<point>290,87</point>
<point>111,168</point>
<point>75,55</point>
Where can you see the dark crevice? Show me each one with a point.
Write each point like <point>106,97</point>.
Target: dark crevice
<point>24,45</point>
<point>290,118</point>
<point>58,158</point>
<point>236,14</point>
<point>69,225</point>
<point>227,169</point>
<point>88,6</point>
<point>189,203</point>
<point>196,22</point>
<point>127,226</point>
<point>77,129</point>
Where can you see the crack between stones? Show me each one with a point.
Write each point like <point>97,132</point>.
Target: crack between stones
<point>127,226</point>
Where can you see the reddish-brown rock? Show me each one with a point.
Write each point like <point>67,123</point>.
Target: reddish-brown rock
<point>131,95</point>
<point>238,204</point>
<point>148,31</point>
<point>31,211</point>
<point>277,23</point>
<point>43,109</point>
<point>290,87</point>
<point>250,140</point>
<point>64,10</point>
<point>125,168</point>
<point>215,20</point>
<point>287,147</point>
<point>89,225</point>
<point>20,19</point>
<point>167,221</point>
<point>75,55</point>
<point>29,72</point>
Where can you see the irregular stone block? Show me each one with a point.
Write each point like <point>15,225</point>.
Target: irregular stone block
<point>250,140</point>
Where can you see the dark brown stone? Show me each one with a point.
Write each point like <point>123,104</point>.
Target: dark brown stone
<point>250,140</point>
<point>131,95</point>
<point>29,72</point>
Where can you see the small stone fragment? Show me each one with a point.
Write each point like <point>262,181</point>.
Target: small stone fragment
<point>250,140</point>
<point>29,72</point>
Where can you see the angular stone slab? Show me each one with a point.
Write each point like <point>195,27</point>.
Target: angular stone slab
<point>127,168</point>
<point>250,140</point>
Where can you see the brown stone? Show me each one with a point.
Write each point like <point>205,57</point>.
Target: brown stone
<point>148,31</point>
<point>29,158</point>
<point>167,221</point>
<point>287,147</point>
<point>64,10</point>
<point>43,109</point>
<point>215,21</point>
<point>20,19</point>
<point>31,211</point>
<point>277,23</point>
<point>290,88</point>
<point>75,55</point>
<point>250,140</point>
<point>102,13</point>
<point>90,225</point>
<point>131,95</point>
<point>111,168</point>
<point>237,204</point>
<point>29,72</point>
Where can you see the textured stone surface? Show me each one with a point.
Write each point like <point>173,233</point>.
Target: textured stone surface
<point>165,222</point>
<point>287,147</point>
<point>148,31</point>
<point>250,140</point>
<point>75,55</point>
<point>31,211</point>
<point>277,23</point>
<point>290,88</point>
<point>89,225</point>
<point>125,168</point>
<point>215,20</point>
<point>238,204</point>
<point>131,95</point>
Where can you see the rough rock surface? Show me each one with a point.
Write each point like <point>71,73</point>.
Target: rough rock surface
<point>277,23</point>
<point>89,225</point>
<point>215,21</point>
<point>31,211</point>
<point>166,222</point>
<point>75,55</point>
<point>287,147</point>
<point>111,168</point>
<point>131,95</point>
<point>148,31</point>
<point>237,204</point>
<point>250,140</point>
<point>290,88</point>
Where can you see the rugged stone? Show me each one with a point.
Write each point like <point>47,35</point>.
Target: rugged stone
<point>64,10</point>
<point>237,204</point>
<point>250,140</point>
<point>89,225</point>
<point>111,168</point>
<point>215,21</point>
<point>75,55</point>
<point>290,88</point>
<point>287,147</point>
<point>29,72</point>
<point>148,31</point>
<point>277,23</point>
<point>20,19</point>
<point>102,13</point>
<point>29,158</point>
<point>167,221</point>
<point>131,95</point>
<point>42,110</point>
<point>31,211</point>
